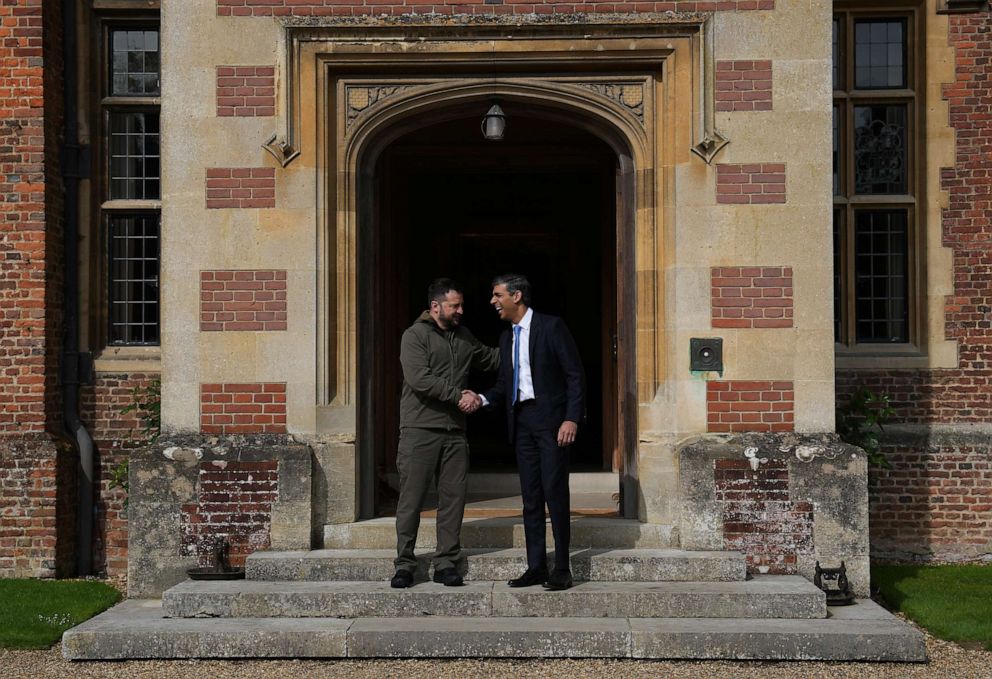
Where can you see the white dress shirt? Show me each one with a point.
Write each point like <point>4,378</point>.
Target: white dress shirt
<point>526,386</point>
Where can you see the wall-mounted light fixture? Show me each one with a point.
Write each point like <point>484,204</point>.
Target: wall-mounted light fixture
<point>494,123</point>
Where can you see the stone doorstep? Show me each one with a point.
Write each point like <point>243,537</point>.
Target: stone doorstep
<point>769,596</point>
<point>137,629</point>
<point>615,565</point>
<point>508,483</point>
<point>505,532</point>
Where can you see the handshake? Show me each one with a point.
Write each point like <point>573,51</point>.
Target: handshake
<point>470,402</point>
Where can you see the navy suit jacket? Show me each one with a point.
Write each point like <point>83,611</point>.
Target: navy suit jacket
<point>556,369</point>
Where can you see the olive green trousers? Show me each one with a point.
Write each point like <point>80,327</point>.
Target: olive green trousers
<point>423,456</point>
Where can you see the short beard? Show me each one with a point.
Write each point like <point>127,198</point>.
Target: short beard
<point>448,322</point>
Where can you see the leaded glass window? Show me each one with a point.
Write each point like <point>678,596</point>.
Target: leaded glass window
<point>131,188</point>
<point>836,151</point>
<point>875,177</point>
<point>838,70</point>
<point>881,272</point>
<point>880,54</point>
<point>134,64</point>
<point>134,155</point>
<point>134,271</point>
<point>880,148</point>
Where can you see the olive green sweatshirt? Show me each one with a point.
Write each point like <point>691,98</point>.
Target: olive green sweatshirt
<point>436,364</point>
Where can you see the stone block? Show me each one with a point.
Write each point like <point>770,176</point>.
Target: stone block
<point>663,565</point>
<point>137,629</point>
<point>598,532</point>
<point>335,490</point>
<point>488,637</point>
<point>587,532</point>
<point>762,597</point>
<point>249,599</point>
<point>824,474</point>
<point>863,632</point>
<point>165,478</point>
<point>500,565</point>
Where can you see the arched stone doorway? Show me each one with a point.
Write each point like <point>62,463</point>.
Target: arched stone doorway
<point>543,202</point>
<point>633,87</point>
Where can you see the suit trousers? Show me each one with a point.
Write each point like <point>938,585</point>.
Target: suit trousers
<point>543,469</point>
<point>424,455</point>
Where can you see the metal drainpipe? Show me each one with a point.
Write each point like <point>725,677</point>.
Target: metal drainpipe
<point>76,367</point>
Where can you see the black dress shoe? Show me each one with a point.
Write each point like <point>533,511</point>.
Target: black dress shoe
<point>402,579</point>
<point>558,580</point>
<point>448,577</point>
<point>533,576</point>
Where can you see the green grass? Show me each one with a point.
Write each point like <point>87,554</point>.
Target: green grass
<point>953,602</point>
<point>35,613</point>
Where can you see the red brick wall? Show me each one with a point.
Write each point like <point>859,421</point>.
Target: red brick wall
<point>241,187</point>
<point>932,503</point>
<point>234,503</point>
<point>37,478</point>
<point>243,408</point>
<point>752,183</point>
<point>243,300</point>
<point>759,518</point>
<point>115,434</point>
<point>358,7</point>
<point>37,508</point>
<point>743,86</point>
<point>246,91</point>
<point>926,396</point>
<point>30,223</point>
<point>752,297</point>
<point>737,405</point>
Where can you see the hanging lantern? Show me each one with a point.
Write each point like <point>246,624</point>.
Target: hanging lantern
<point>494,123</point>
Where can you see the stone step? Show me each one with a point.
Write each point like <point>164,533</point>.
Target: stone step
<point>505,532</point>
<point>508,483</point>
<point>137,629</point>
<point>770,596</point>
<point>614,565</point>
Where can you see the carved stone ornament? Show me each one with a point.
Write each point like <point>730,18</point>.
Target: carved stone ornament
<point>280,149</point>
<point>628,95</point>
<point>361,97</point>
<point>710,145</point>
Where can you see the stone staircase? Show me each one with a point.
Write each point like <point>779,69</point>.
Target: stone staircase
<point>635,597</point>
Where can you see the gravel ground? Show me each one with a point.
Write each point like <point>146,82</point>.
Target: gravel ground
<point>946,660</point>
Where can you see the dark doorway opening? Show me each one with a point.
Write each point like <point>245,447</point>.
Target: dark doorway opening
<point>543,202</point>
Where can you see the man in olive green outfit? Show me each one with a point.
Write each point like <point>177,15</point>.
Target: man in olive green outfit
<point>436,354</point>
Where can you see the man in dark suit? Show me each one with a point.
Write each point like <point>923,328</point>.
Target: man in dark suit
<point>541,385</point>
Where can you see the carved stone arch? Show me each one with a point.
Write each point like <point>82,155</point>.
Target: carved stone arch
<point>570,103</point>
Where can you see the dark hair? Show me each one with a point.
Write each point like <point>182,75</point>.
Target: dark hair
<point>513,283</point>
<point>439,289</point>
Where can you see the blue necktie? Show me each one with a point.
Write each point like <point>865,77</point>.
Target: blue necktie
<point>516,362</point>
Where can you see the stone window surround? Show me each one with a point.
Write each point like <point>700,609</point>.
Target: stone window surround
<point>108,206</point>
<point>108,359</point>
<point>934,267</point>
